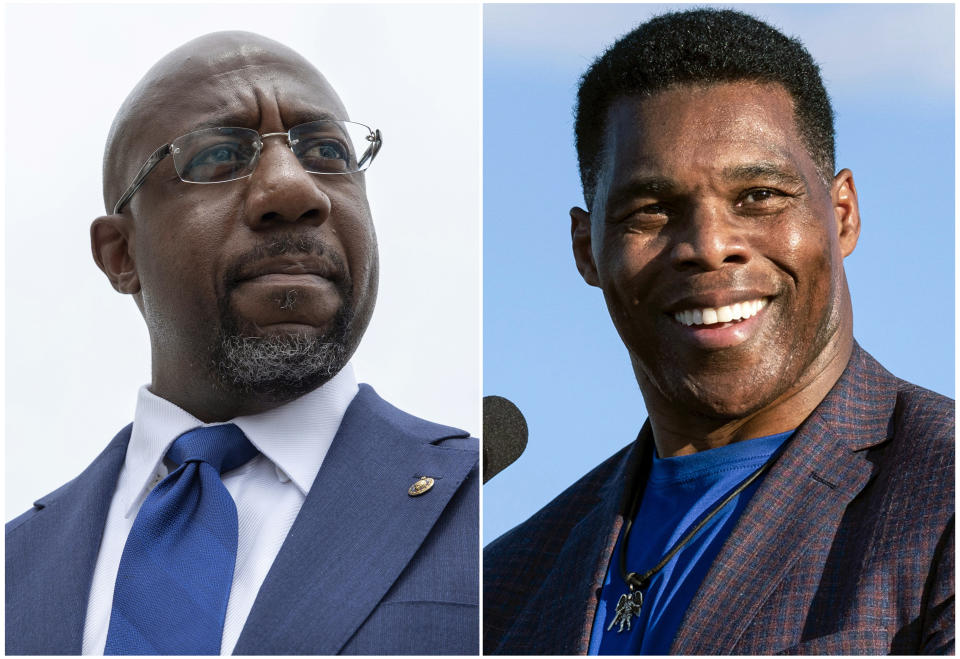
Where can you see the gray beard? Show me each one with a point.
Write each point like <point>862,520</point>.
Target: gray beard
<point>281,367</point>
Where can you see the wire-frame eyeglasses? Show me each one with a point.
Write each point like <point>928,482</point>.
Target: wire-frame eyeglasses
<point>221,154</point>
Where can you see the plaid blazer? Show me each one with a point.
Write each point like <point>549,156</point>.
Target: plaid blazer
<point>845,548</point>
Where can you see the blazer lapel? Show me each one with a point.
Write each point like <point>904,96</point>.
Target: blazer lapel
<point>46,608</point>
<point>357,530</point>
<point>808,489</point>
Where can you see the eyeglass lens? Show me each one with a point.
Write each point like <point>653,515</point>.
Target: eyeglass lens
<point>215,155</point>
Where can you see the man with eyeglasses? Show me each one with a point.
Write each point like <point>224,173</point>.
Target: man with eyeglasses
<point>261,502</point>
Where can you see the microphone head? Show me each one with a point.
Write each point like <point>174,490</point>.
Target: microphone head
<point>504,435</point>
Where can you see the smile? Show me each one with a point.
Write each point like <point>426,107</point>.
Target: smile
<point>724,314</point>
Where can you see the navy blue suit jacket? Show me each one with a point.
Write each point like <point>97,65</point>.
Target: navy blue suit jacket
<point>365,568</point>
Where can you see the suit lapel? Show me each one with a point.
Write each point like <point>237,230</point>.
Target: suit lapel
<point>357,529</point>
<point>60,541</point>
<point>808,489</point>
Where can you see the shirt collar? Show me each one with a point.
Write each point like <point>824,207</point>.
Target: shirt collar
<point>295,436</point>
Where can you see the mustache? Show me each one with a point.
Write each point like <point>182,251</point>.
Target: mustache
<point>289,244</point>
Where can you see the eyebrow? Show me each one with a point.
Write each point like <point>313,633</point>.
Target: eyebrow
<point>236,120</point>
<point>646,186</point>
<point>306,115</point>
<point>763,170</point>
<point>242,120</point>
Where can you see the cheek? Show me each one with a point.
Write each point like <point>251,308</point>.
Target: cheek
<point>177,264</point>
<point>794,241</point>
<point>352,232</point>
<point>817,251</point>
<point>629,260</point>
<point>625,272</point>
<point>811,257</point>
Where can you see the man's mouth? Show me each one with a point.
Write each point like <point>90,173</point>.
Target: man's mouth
<point>286,259</point>
<point>735,312</point>
<point>291,269</point>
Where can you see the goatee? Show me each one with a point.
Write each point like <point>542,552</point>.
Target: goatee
<point>281,367</point>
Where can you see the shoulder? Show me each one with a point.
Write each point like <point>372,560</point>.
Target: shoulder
<point>533,544</point>
<point>921,451</point>
<point>921,412</point>
<point>518,563</point>
<point>39,505</point>
<point>15,523</point>
<point>581,493</point>
<point>369,409</point>
<point>100,476</point>
<point>920,433</point>
<point>870,407</point>
<point>908,434</point>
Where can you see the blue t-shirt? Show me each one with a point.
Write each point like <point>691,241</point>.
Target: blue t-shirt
<point>680,491</point>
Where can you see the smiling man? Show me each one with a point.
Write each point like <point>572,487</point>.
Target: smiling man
<point>262,502</point>
<point>787,494</point>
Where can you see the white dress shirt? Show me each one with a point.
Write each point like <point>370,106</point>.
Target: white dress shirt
<point>269,490</point>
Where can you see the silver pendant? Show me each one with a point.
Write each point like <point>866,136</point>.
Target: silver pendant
<point>628,606</point>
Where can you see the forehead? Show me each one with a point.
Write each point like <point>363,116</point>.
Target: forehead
<point>689,129</point>
<point>239,85</point>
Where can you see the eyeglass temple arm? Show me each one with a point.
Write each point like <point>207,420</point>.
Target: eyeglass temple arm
<point>371,152</point>
<point>148,166</point>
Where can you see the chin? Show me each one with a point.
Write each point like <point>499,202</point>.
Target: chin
<point>278,367</point>
<point>723,407</point>
<point>282,361</point>
<point>721,398</point>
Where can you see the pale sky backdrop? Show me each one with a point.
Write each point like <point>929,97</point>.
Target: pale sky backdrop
<point>76,351</point>
<point>549,344</point>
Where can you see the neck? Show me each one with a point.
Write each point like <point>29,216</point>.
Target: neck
<point>682,432</point>
<point>212,406</point>
<point>205,398</point>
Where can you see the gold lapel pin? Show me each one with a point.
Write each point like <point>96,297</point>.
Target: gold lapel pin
<point>421,486</point>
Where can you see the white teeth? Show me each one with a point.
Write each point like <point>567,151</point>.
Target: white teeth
<point>725,314</point>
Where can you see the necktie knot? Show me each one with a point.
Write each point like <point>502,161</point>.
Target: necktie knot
<point>224,447</point>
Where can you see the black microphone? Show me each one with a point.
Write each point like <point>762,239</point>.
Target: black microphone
<point>504,435</point>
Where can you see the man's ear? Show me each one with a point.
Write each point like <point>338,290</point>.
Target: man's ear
<point>846,209</point>
<point>582,246</point>
<point>111,240</point>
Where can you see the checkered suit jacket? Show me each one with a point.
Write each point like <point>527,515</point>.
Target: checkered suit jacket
<point>846,547</point>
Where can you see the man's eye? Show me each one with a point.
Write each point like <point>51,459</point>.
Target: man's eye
<point>653,209</point>
<point>757,196</point>
<point>215,155</point>
<point>217,162</point>
<point>644,218</point>
<point>323,154</point>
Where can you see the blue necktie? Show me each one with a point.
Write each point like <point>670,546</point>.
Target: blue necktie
<point>177,566</point>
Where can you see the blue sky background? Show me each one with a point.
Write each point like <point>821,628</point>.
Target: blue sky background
<point>549,344</point>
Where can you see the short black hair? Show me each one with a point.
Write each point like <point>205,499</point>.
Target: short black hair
<point>701,46</point>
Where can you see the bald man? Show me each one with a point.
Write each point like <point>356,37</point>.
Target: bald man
<point>261,502</point>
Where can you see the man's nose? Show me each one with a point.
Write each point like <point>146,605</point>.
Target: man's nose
<point>281,190</point>
<point>709,238</point>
